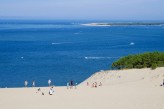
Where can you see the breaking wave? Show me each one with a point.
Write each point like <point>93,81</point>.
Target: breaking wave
<point>57,43</point>
<point>132,43</point>
<point>100,57</point>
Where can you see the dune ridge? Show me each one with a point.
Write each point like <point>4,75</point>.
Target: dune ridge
<point>111,77</point>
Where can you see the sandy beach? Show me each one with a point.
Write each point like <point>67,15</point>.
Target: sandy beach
<point>121,89</point>
<point>96,24</point>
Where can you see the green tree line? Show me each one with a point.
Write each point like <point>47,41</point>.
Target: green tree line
<point>145,60</point>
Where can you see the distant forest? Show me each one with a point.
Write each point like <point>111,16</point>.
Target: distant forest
<point>145,60</point>
<point>129,24</point>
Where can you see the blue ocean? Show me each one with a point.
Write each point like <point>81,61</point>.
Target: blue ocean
<point>63,50</point>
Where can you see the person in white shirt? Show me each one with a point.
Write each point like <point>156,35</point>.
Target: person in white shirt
<point>33,84</point>
<point>51,91</point>
<point>26,83</point>
<point>49,82</point>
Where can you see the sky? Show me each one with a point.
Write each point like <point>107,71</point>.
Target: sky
<point>83,9</point>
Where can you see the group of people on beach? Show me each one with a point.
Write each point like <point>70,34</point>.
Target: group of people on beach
<point>50,92</point>
<point>33,83</point>
<point>94,84</point>
<point>26,83</point>
<point>71,84</point>
<point>162,83</point>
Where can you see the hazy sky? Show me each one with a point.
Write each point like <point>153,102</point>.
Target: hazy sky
<point>84,9</point>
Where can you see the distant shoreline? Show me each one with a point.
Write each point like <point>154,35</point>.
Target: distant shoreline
<point>125,24</point>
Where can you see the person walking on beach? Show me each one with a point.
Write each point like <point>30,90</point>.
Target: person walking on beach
<point>33,84</point>
<point>25,83</point>
<point>49,82</point>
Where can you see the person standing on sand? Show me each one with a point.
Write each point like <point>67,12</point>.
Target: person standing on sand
<point>75,85</point>
<point>71,84</point>
<point>25,83</point>
<point>67,85</point>
<point>33,84</point>
<point>87,83</point>
<point>49,82</point>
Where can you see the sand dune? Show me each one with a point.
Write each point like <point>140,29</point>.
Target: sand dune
<point>112,77</point>
<point>125,89</point>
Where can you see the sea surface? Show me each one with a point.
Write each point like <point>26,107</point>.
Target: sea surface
<point>66,50</point>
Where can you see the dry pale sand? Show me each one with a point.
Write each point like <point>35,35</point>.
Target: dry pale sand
<point>125,89</point>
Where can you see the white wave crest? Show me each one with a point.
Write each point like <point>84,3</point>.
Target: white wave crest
<point>55,43</point>
<point>58,43</point>
<point>132,43</point>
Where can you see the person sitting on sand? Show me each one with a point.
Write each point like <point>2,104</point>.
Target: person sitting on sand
<point>39,89</point>
<point>100,84</point>
<point>162,83</point>
<point>93,85</point>
<point>51,91</point>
